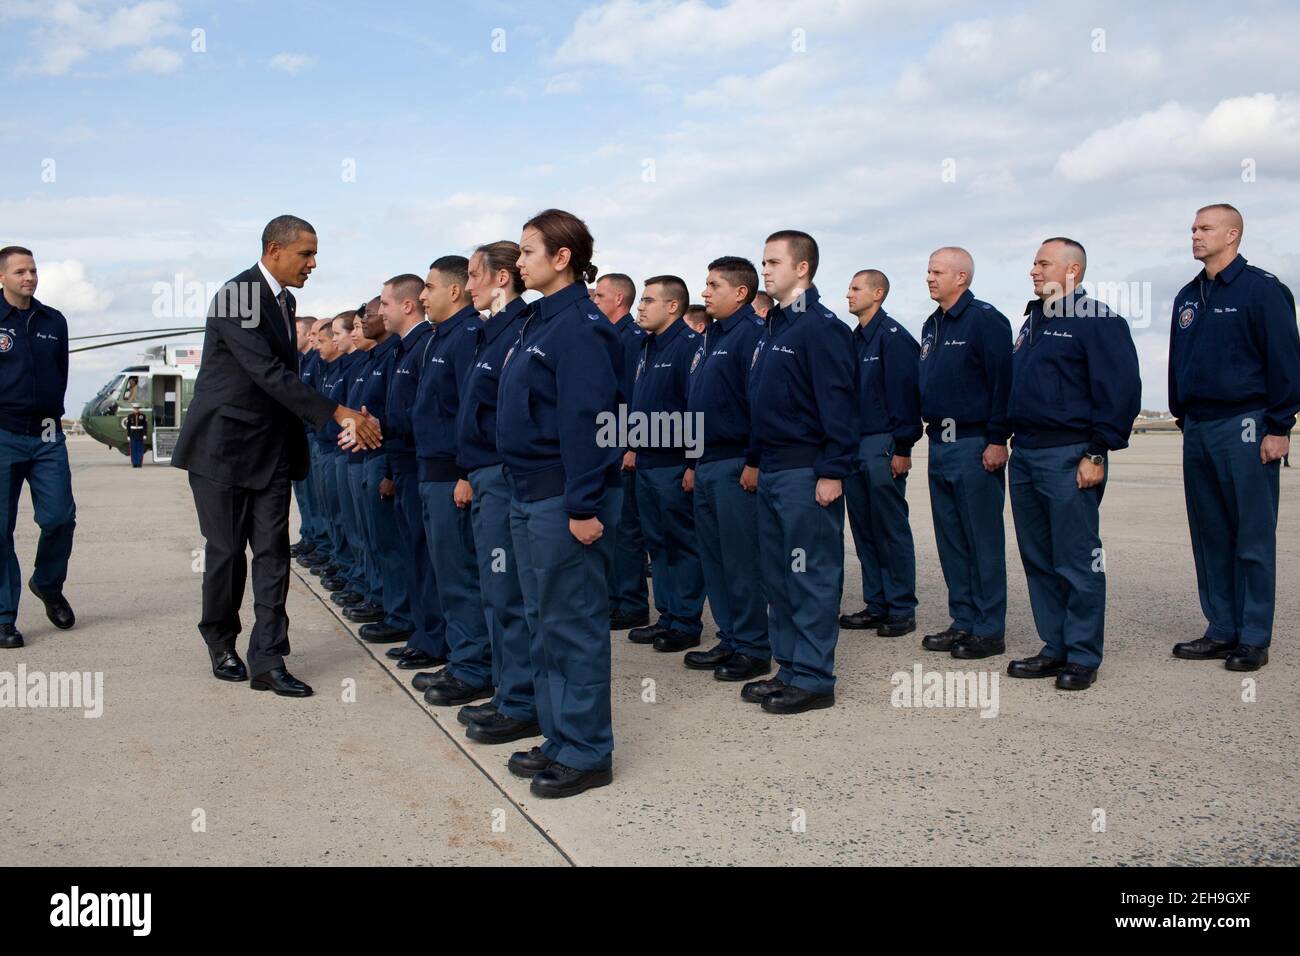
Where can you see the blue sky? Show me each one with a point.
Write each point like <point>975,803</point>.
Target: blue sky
<point>680,130</point>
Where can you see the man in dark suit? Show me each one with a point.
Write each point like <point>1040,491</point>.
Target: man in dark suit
<point>243,443</point>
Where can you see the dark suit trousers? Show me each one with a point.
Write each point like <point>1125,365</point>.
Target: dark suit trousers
<point>231,520</point>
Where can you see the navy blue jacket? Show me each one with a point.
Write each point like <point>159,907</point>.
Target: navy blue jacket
<point>309,365</point>
<point>33,368</point>
<point>374,393</point>
<point>332,380</point>
<point>559,381</point>
<point>661,383</point>
<point>720,381</point>
<point>802,398</point>
<point>447,359</point>
<point>1234,347</point>
<point>965,370</point>
<point>356,388</point>
<point>889,392</point>
<point>631,337</point>
<point>1074,376</point>
<point>399,434</point>
<point>476,422</point>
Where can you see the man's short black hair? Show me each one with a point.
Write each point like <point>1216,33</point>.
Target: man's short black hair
<point>803,248</point>
<point>738,272</point>
<point>674,288</point>
<point>284,230</point>
<point>8,251</point>
<point>455,268</point>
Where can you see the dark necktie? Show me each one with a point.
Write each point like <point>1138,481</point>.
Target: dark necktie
<point>282,299</point>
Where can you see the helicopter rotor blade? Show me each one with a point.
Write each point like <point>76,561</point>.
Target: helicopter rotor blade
<point>143,338</point>
<point>104,335</point>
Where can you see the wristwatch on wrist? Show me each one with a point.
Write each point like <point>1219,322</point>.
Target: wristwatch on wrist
<point>1096,459</point>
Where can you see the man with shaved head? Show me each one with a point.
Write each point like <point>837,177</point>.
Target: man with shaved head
<point>629,599</point>
<point>403,315</point>
<point>1234,390</point>
<point>1075,391</point>
<point>965,374</point>
<point>875,493</point>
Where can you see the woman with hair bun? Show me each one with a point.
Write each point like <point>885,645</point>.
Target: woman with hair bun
<point>561,374</point>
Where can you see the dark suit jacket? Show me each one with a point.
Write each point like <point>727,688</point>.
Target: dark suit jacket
<point>249,403</point>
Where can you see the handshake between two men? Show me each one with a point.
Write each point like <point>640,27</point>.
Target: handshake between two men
<point>360,429</point>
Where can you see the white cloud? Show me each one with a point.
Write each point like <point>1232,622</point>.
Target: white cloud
<point>651,30</point>
<point>785,84</point>
<point>1175,138</point>
<point>561,83</point>
<point>67,32</point>
<point>155,59</point>
<point>290,63</point>
<point>64,285</point>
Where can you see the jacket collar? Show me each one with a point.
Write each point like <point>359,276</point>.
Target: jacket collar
<point>413,336</point>
<point>493,327</point>
<point>809,298</point>
<point>1228,272</point>
<point>6,309</point>
<point>868,334</point>
<point>745,313</point>
<point>663,339</point>
<point>549,306</point>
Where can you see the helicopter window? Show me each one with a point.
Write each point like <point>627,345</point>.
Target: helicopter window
<point>110,387</point>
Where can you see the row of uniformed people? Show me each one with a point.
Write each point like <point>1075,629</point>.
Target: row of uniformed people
<point>1067,388</point>
<point>800,415</point>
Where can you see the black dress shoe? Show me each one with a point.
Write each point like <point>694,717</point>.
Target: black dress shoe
<point>364,613</point>
<point>528,763</point>
<point>317,570</point>
<point>1039,665</point>
<point>500,729</point>
<point>796,700</point>
<point>297,548</point>
<point>944,640</point>
<point>417,659</point>
<point>304,558</point>
<point>557,780</point>
<point>759,690</point>
<point>333,583</point>
<point>346,598</point>
<point>426,679</point>
<point>1075,677</point>
<point>1204,649</point>
<point>379,632</point>
<point>475,713</point>
<point>57,608</point>
<point>707,660</point>
<point>972,648</point>
<point>317,559</point>
<point>397,653</point>
<point>739,667</point>
<point>863,620</point>
<point>896,627</point>
<point>453,692</point>
<point>672,641</point>
<point>623,622</point>
<point>10,636</point>
<point>282,682</point>
<point>226,665</point>
<point>1246,657</point>
<point>647,634</point>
